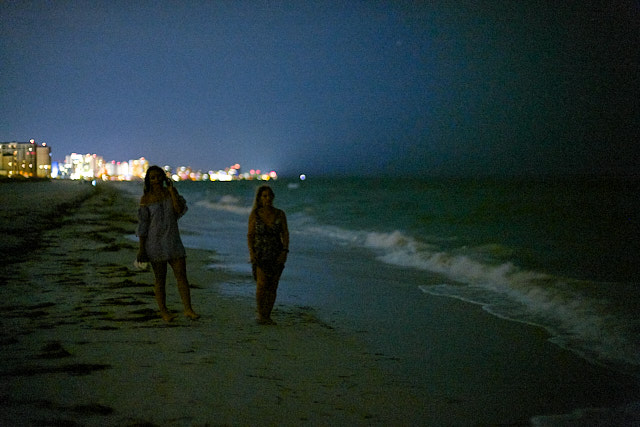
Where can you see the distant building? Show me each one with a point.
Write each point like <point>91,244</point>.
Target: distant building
<point>43,161</point>
<point>118,171</point>
<point>82,166</point>
<point>25,159</point>
<point>138,168</point>
<point>93,166</point>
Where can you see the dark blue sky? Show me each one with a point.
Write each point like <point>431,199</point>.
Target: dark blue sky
<point>328,86</point>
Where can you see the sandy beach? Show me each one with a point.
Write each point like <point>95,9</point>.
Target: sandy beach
<point>83,344</point>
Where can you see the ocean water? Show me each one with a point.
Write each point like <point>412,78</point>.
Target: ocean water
<point>558,253</point>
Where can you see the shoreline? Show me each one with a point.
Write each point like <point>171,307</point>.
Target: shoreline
<point>456,348</point>
<point>83,344</point>
<point>24,216</point>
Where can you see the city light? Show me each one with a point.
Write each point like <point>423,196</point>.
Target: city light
<point>29,159</point>
<point>25,160</point>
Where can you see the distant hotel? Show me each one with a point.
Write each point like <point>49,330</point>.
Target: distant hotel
<point>25,159</point>
<point>92,166</point>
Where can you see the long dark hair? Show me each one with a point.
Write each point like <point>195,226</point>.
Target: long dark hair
<point>147,183</point>
<point>256,203</point>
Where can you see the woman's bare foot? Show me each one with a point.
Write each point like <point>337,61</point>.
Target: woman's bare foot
<point>166,316</point>
<point>192,314</point>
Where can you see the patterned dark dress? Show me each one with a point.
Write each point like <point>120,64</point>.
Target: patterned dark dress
<point>268,247</point>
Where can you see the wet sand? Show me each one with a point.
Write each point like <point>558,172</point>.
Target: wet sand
<point>83,344</point>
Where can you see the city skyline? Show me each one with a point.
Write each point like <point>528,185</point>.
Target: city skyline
<point>32,159</point>
<point>328,87</point>
<point>136,169</point>
<point>93,165</point>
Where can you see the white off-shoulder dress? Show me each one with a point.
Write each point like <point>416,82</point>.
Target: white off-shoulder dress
<point>158,222</point>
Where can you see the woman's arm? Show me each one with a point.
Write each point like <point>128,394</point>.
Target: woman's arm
<point>142,251</point>
<point>285,231</point>
<point>251,236</point>
<point>284,237</point>
<point>179,204</point>
<point>143,229</point>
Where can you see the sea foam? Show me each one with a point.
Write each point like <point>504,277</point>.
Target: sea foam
<point>226,203</point>
<point>587,325</point>
<point>485,274</point>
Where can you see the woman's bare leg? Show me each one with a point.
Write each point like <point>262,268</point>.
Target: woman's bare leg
<point>260,295</point>
<point>263,298</point>
<point>272,291</point>
<point>160,274</point>
<point>179,267</point>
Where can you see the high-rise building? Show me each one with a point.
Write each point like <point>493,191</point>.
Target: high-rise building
<point>138,167</point>
<point>43,161</point>
<point>83,166</point>
<point>118,170</point>
<point>25,159</point>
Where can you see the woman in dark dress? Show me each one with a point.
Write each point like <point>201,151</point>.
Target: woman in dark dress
<point>268,240</point>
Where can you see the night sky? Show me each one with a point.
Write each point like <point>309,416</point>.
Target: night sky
<point>328,87</point>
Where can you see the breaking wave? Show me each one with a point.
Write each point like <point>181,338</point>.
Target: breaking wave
<point>226,203</point>
<point>585,324</point>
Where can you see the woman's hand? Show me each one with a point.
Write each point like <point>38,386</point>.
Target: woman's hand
<point>283,257</point>
<point>171,187</point>
<point>142,256</point>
